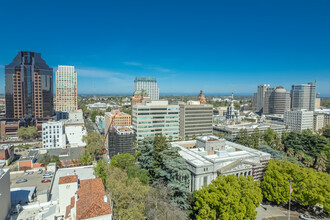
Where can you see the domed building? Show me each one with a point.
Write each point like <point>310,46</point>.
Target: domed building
<point>277,101</point>
<point>202,98</point>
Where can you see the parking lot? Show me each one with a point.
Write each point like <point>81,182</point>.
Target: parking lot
<point>32,180</point>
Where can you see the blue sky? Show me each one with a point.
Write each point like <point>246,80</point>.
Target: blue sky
<point>218,46</point>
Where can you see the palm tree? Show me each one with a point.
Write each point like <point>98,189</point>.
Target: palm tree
<point>290,152</point>
<point>308,161</point>
<point>320,166</point>
<point>299,155</point>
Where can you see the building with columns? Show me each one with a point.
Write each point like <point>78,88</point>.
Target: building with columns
<point>209,156</point>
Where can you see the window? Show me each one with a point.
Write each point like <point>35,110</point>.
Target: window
<point>205,181</point>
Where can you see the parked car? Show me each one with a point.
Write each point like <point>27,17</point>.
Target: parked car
<point>47,176</point>
<point>40,171</point>
<point>21,181</point>
<point>306,217</point>
<point>45,181</point>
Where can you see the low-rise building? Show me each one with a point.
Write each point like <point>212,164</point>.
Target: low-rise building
<point>7,154</point>
<point>75,131</point>
<point>299,120</point>
<point>53,135</point>
<point>97,106</point>
<point>233,130</point>
<point>85,199</point>
<point>209,156</point>
<point>121,140</point>
<point>5,200</point>
<point>321,119</point>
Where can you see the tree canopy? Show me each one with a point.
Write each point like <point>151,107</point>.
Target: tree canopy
<point>227,197</point>
<point>311,188</point>
<point>27,132</point>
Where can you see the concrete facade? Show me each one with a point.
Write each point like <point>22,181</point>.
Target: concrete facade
<point>5,200</point>
<point>75,131</point>
<point>148,84</point>
<point>210,156</point>
<point>155,117</point>
<point>195,119</point>
<point>66,89</point>
<point>303,96</point>
<point>298,120</point>
<point>276,101</point>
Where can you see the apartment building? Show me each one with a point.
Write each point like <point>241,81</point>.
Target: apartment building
<point>148,84</point>
<point>53,135</point>
<point>66,89</point>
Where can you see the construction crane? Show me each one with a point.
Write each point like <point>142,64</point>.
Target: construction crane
<point>104,151</point>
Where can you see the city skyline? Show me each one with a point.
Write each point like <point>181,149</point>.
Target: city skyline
<point>218,47</point>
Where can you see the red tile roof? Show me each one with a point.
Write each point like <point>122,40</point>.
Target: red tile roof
<point>90,201</point>
<point>68,179</point>
<point>69,207</point>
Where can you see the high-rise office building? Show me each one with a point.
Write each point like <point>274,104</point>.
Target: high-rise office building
<point>261,96</point>
<point>303,96</point>
<point>195,119</point>
<point>276,101</point>
<point>29,87</point>
<point>148,84</point>
<point>66,89</point>
<point>155,117</point>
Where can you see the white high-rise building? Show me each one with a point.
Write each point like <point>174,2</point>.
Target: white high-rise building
<point>148,84</point>
<point>299,120</point>
<point>155,117</point>
<point>53,135</point>
<point>303,96</point>
<point>66,89</point>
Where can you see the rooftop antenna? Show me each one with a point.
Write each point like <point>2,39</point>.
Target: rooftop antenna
<point>94,91</point>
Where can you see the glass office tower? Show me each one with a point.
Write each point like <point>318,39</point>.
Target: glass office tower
<point>29,87</point>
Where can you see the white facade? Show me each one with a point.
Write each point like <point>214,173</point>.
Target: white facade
<point>66,89</point>
<point>303,96</point>
<point>75,115</point>
<point>209,156</point>
<point>154,117</point>
<point>5,202</point>
<point>299,120</point>
<point>75,131</point>
<point>149,84</point>
<point>66,192</point>
<point>53,135</point>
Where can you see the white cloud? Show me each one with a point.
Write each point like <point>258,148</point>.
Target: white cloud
<point>132,63</point>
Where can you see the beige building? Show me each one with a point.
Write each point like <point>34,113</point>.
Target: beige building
<point>121,119</point>
<point>276,101</point>
<point>299,120</point>
<point>66,89</point>
<point>195,119</point>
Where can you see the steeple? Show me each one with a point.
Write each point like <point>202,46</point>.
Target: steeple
<point>201,98</point>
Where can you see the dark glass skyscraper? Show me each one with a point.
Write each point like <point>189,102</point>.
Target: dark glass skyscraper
<point>29,87</point>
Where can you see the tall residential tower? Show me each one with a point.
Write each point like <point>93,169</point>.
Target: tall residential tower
<point>148,84</point>
<point>66,89</point>
<point>29,87</point>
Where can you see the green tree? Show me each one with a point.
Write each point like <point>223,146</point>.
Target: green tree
<point>123,161</point>
<point>108,109</point>
<point>27,132</point>
<point>227,197</point>
<point>86,158</point>
<point>308,161</point>
<point>326,131</point>
<point>290,152</point>
<point>128,195</point>
<point>99,170</point>
<point>56,159</point>
<point>255,139</point>
<point>243,137</point>
<point>310,187</point>
<point>94,141</point>
<point>45,160</point>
